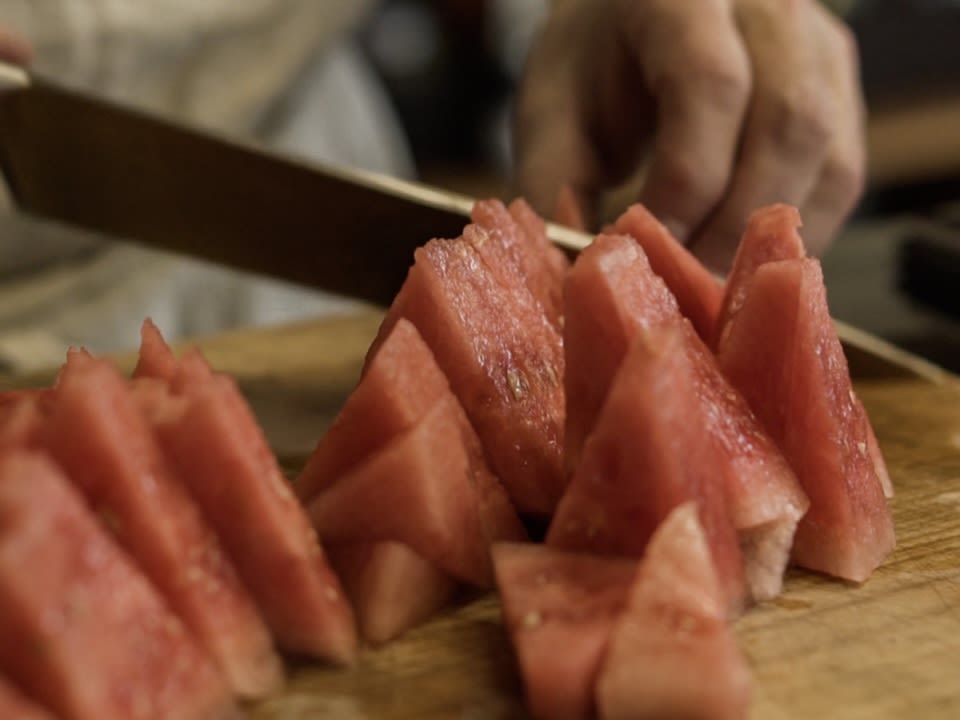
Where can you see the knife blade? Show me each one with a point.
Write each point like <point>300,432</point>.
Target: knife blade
<point>97,165</point>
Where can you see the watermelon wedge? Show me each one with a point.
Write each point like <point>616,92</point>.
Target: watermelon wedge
<point>610,294</point>
<point>771,235</point>
<point>420,491</point>
<point>698,293</point>
<point>782,352</point>
<point>14,706</point>
<point>671,653</point>
<point>156,359</point>
<point>392,588</point>
<point>504,361</point>
<point>210,435</point>
<point>533,256</point>
<point>559,608</point>
<point>83,629</point>
<point>96,432</point>
<point>646,456</point>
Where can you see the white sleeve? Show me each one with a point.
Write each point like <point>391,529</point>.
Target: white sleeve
<point>214,62</point>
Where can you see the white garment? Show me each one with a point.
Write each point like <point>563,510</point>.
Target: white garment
<point>283,70</point>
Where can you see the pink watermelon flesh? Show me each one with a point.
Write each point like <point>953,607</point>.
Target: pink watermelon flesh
<point>156,359</point>
<point>97,433</point>
<point>771,235</point>
<point>14,706</point>
<point>671,653</point>
<point>533,256</point>
<point>559,608</point>
<point>610,294</point>
<point>782,352</point>
<point>418,490</point>
<point>399,387</point>
<point>504,362</point>
<point>764,498</point>
<point>228,467</point>
<point>646,456</point>
<point>698,293</point>
<point>555,262</point>
<point>876,455</point>
<point>392,588</point>
<point>104,643</point>
<point>21,421</point>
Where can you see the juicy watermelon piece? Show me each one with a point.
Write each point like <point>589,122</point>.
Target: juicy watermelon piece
<point>83,629</point>
<point>21,420</point>
<point>419,490</point>
<point>530,252</point>
<point>646,456</point>
<point>400,385</point>
<point>14,706</point>
<point>212,437</point>
<point>559,608</point>
<point>96,432</point>
<point>156,359</point>
<point>698,293</point>
<point>555,262</point>
<point>392,588</point>
<point>503,359</point>
<point>610,294</point>
<point>771,235</point>
<point>671,653</point>
<point>782,352</point>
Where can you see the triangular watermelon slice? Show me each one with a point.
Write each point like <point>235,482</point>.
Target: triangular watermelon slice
<point>156,359</point>
<point>609,295</point>
<point>671,653</point>
<point>782,352</point>
<point>80,627</point>
<point>646,456</point>
<point>209,433</point>
<point>504,361</point>
<point>559,608</point>
<point>533,256</point>
<point>14,706</point>
<point>698,293</point>
<point>96,432</point>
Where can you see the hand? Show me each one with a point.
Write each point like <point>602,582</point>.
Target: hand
<point>739,104</point>
<point>14,47</point>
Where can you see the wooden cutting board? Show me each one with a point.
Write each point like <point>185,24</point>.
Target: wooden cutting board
<point>824,649</point>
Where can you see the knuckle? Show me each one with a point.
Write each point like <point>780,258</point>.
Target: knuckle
<point>684,176</point>
<point>845,179</point>
<point>800,118</point>
<point>721,79</point>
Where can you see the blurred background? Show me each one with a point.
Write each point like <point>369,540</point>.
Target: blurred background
<point>422,88</point>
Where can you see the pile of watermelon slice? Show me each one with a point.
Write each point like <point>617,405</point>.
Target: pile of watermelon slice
<point>682,441</point>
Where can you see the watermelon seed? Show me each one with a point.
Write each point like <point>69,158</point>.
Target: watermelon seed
<point>513,379</point>
<point>862,447</point>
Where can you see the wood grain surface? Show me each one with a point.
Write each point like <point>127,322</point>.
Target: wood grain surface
<point>824,649</point>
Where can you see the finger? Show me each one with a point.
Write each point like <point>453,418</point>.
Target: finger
<point>843,175</point>
<point>789,125</point>
<point>697,69</point>
<point>14,47</point>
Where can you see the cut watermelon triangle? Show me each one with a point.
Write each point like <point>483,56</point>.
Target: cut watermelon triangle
<point>228,467</point>
<point>502,241</point>
<point>503,359</point>
<point>392,588</point>
<point>156,359</point>
<point>418,491</point>
<point>671,653</point>
<point>698,293</point>
<point>559,608</point>
<point>771,235</point>
<point>646,456</point>
<point>115,649</point>
<point>97,433</point>
<point>798,383</point>
<point>14,706</point>
<point>610,294</point>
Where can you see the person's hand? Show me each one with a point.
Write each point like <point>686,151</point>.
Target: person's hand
<point>14,47</point>
<point>739,103</point>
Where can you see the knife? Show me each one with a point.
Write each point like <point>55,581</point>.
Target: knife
<point>93,164</point>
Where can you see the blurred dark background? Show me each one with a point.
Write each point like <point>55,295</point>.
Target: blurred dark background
<point>451,67</point>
